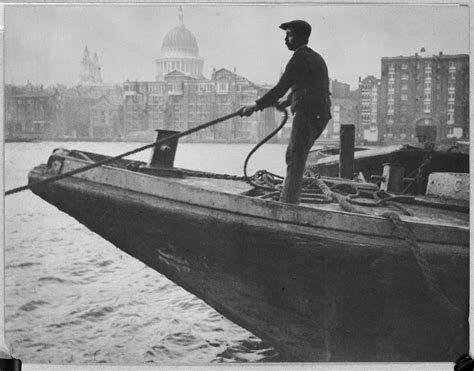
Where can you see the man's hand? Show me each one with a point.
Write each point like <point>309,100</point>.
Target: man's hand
<point>248,109</point>
<point>283,103</point>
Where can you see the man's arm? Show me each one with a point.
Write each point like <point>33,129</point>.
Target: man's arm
<point>271,97</point>
<point>286,81</point>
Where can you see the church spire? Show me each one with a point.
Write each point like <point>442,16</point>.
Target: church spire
<point>181,16</point>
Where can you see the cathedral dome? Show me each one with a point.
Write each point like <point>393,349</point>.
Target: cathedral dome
<point>180,39</point>
<point>179,52</point>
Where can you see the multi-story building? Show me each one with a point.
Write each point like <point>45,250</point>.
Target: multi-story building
<point>368,92</point>
<point>75,115</point>
<point>424,95</point>
<point>339,89</point>
<point>104,119</point>
<point>182,98</point>
<point>343,111</point>
<point>32,113</point>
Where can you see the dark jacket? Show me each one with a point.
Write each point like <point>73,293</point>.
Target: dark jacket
<point>307,75</point>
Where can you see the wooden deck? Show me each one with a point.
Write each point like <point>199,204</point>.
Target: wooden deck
<point>420,213</point>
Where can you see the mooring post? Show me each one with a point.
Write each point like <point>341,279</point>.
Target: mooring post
<point>163,154</point>
<point>346,155</point>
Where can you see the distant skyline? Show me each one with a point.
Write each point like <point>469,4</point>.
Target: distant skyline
<point>44,43</point>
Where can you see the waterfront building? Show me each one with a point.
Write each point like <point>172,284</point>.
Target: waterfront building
<point>104,119</point>
<point>368,93</point>
<point>32,113</point>
<point>339,89</point>
<point>181,98</point>
<point>343,111</point>
<point>75,115</point>
<point>424,95</point>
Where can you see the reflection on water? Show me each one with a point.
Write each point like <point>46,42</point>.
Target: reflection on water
<point>72,297</point>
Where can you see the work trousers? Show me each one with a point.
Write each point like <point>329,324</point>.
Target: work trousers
<point>305,130</point>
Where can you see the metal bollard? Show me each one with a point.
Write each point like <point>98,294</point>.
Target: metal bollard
<point>163,154</point>
<point>393,178</point>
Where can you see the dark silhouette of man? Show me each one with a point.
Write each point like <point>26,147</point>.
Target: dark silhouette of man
<point>306,78</point>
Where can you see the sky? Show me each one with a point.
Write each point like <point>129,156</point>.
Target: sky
<point>45,43</point>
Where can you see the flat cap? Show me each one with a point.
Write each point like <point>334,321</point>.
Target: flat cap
<point>301,27</point>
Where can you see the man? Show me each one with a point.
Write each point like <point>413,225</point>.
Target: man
<point>306,77</point>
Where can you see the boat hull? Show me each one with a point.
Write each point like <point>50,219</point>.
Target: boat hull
<point>313,293</point>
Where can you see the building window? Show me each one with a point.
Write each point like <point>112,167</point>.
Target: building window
<point>451,85</point>
<point>452,64</point>
<point>452,75</point>
<point>404,86</point>
<point>405,76</point>
<point>391,76</point>
<point>427,96</point>
<point>450,118</point>
<point>427,75</point>
<point>404,66</point>
<point>427,85</point>
<point>404,97</point>
<point>426,107</point>
<point>451,95</point>
<point>391,86</point>
<point>390,97</point>
<point>451,106</point>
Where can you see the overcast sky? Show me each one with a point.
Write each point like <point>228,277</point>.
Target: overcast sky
<point>45,44</point>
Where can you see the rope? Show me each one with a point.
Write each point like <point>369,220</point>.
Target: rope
<point>262,142</point>
<point>111,159</point>
<point>407,234</point>
<point>346,206</point>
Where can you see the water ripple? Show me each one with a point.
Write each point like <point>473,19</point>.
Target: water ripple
<point>97,313</point>
<point>32,305</point>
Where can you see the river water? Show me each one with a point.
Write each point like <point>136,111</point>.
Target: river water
<point>72,297</point>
